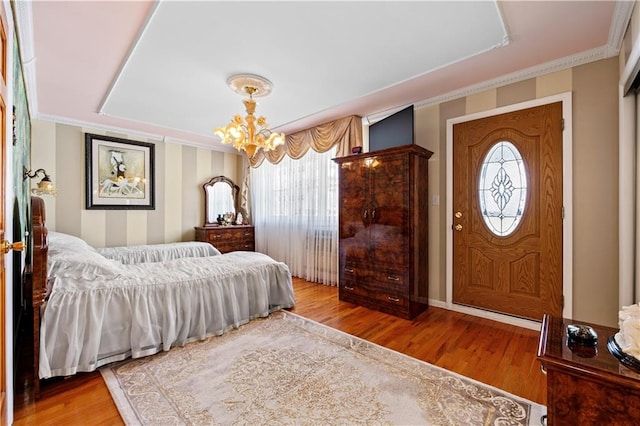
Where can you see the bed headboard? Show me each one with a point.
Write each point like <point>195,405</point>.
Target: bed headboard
<point>40,250</point>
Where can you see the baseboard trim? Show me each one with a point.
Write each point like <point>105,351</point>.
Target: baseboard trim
<point>507,319</point>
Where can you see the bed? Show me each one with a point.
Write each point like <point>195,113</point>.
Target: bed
<point>90,310</point>
<point>155,252</point>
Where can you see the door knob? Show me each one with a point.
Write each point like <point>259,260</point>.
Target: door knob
<point>458,215</point>
<point>6,246</point>
<point>458,227</point>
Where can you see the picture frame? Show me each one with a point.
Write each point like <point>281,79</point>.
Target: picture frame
<point>120,173</point>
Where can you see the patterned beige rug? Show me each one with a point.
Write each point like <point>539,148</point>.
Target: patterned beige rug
<point>289,370</point>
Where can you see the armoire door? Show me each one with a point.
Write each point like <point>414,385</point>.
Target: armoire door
<point>389,211</point>
<point>354,197</point>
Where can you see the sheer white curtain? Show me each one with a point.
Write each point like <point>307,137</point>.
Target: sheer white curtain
<point>295,214</point>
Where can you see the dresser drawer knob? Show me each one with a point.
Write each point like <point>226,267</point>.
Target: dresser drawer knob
<point>392,278</point>
<point>247,234</point>
<point>346,287</point>
<point>348,270</point>
<point>393,299</point>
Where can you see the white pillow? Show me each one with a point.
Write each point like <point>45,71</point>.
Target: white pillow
<point>59,242</point>
<point>82,264</point>
<point>70,256</point>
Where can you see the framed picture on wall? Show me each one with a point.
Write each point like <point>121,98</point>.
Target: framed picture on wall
<point>119,173</point>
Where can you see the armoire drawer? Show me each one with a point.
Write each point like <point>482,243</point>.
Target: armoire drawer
<point>366,290</point>
<point>393,304</point>
<point>391,299</point>
<point>384,280</point>
<point>389,280</point>
<point>353,271</point>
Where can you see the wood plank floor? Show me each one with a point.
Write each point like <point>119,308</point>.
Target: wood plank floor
<point>500,355</point>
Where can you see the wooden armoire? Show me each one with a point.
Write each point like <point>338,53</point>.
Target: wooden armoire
<point>383,231</point>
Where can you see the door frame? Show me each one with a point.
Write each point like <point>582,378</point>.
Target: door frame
<point>567,224</point>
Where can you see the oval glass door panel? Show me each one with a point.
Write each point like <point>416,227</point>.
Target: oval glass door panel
<point>502,188</point>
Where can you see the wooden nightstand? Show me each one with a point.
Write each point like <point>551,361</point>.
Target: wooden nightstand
<point>586,387</point>
<point>227,238</point>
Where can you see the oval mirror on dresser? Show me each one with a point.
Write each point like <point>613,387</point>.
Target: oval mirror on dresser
<point>225,226</point>
<point>221,198</point>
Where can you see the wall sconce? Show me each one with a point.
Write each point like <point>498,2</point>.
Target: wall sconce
<point>45,186</point>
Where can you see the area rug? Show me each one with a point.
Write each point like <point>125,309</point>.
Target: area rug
<point>286,369</point>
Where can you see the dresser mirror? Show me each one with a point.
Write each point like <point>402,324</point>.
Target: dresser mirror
<point>221,201</point>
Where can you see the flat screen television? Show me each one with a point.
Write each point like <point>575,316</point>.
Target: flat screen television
<point>395,130</point>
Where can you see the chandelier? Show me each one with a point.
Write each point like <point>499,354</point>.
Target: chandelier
<point>249,134</point>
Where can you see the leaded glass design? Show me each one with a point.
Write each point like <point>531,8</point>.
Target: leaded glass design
<point>502,188</point>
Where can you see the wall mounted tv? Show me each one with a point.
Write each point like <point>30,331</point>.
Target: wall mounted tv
<point>395,130</point>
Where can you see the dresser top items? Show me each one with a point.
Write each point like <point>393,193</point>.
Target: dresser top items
<point>557,348</point>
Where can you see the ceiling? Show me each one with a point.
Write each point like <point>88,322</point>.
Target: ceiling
<point>160,68</point>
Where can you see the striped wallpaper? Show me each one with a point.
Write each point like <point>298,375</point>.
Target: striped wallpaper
<point>181,171</point>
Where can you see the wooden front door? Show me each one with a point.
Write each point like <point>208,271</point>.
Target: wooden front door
<point>507,206</point>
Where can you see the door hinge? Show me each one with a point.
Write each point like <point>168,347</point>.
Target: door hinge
<point>562,301</point>
<point>562,212</point>
<point>563,124</point>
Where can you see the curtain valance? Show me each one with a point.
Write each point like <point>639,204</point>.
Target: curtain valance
<point>345,133</point>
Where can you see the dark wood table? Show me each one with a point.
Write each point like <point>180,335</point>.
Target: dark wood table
<point>586,386</point>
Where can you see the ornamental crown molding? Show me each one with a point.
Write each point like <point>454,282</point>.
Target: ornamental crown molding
<point>582,58</point>
<point>619,23</point>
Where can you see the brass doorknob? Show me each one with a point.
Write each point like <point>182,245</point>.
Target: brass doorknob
<point>458,227</point>
<point>6,246</point>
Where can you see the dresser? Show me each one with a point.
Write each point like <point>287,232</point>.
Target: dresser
<point>228,238</point>
<point>383,224</point>
<point>586,386</point>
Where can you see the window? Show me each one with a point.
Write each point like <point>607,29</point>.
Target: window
<point>295,213</point>
<point>502,188</point>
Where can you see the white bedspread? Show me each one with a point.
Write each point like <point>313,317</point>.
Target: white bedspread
<point>158,252</point>
<point>102,311</point>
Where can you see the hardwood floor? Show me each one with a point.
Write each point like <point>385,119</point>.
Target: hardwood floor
<point>500,355</point>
